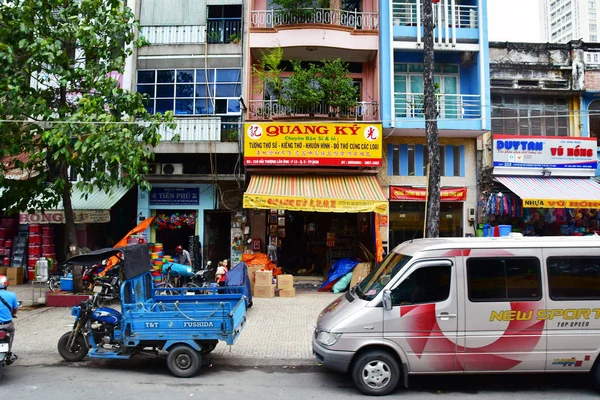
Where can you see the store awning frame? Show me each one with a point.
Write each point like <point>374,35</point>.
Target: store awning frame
<point>548,192</point>
<point>342,194</point>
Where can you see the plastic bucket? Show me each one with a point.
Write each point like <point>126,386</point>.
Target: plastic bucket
<point>504,230</point>
<point>480,232</point>
<point>487,230</point>
<point>66,284</point>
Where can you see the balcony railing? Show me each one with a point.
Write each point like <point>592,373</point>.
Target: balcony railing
<point>268,109</point>
<point>350,19</point>
<point>459,16</point>
<point>177,34</point>
<point>223,30</point>
<point>200,130</point>
<point>450,106</point>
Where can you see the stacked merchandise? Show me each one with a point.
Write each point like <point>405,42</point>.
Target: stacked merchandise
<point>34,250</point>
<point>48,247</point>
<point>285,284</point>
<point>156,256</point>
<point>263,284</point>
<point>8,230</point>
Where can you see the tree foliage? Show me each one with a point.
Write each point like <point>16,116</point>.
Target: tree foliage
<point>64,108</point>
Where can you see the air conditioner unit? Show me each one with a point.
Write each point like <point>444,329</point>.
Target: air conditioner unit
<point>154,168</point>
<point>172,169</point>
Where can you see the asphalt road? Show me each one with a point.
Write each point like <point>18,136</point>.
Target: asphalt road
<point>148,379</point>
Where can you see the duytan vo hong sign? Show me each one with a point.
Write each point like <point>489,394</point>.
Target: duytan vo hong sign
<point>313,144</point>
<point>547,152</point>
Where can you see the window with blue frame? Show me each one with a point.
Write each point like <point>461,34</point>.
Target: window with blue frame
<point>210,91</point>
<point>412,160</point>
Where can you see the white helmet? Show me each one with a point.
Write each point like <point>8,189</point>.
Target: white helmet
<point>3,282</point>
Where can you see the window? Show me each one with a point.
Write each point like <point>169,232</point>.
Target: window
<point>224,23</point>
<point>592,4</point>
<point>424,285</point>
<point>593,38</point>
<point>412,160</point>
<point>574,278</point>
<point>408,89</point>
<point>530,115</point>
<point>504,279</point>
<point>191,91</point>
<point>593,27</point>
<point>379,277</point>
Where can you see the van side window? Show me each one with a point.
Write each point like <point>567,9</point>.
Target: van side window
<point>504,279</point>
<point>574,278</point>
<point>424,285</point>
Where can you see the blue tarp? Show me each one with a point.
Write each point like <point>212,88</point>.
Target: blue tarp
<point>340,268</point>
<point>238,276</point>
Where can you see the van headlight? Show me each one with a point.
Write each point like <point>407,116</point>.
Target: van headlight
<point>328,338</point>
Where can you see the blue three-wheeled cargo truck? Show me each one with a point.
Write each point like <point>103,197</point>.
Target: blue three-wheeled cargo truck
<point>183,324</point>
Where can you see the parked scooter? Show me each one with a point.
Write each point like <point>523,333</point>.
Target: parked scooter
<point>108,288</point>
<point>200,278</point>
<point>5,347</point>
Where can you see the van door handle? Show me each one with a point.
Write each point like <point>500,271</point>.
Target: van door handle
<point>444,316</point>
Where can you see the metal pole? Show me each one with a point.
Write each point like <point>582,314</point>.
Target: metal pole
<point>426,201</point>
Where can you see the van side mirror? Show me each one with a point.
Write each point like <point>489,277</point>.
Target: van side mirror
<point>387,300</point>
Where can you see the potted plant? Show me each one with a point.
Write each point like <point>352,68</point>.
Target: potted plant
<point>339,91</point>
<point>302,91</point>
<point>235,38</point>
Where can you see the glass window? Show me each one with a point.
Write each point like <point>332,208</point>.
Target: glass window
<point>167,76</point>
<point>184,91</point>
<point>504,279</point>
<point>457,160</point>
<point>185,76</point>
<point>233,106</point>
<point>202,91</point>
<point>373,283</point>
<point>220,106</point>
<point>228,75</point>
<point>203,75</point>
<point>184,107</point>
<point>229,90</point>
<point>424,285</point>
<point>204,106</point>
<point>146,89</point>
<point>574,278</point>
<point>411,160</point>
<point>146,76</point>
<point>165,90</point>
<point>162,106</point>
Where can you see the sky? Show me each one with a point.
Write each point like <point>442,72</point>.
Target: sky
<point>514,20</point>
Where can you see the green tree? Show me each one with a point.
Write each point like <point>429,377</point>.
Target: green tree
<point>65,111</point>
<point>339,90</point>
<point>302,91</point>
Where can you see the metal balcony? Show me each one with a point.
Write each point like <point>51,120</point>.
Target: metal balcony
<point>177,34</point>
<point>223,30</point>
<point>200,130</point>
<point>449,106</point>
<point>304,16</point>
<point>270,109</point>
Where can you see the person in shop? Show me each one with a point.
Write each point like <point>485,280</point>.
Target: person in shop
<point>183,256</point>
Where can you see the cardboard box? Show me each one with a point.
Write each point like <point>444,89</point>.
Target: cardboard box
<point>285,281</point>
<point>264,291</point>
<point>287,292</point>
<point>3,270</point>
<point>263,278</point>
<point>252,271</point>
<point>14,275</point>
<point>359,273</point>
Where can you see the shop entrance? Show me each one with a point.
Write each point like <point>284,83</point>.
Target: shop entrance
<point>308,243</point>
<point>406,220</point>
<point>174,228</point>
<point>217,234</point>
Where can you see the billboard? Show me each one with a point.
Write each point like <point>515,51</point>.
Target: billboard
<point>313,144</point>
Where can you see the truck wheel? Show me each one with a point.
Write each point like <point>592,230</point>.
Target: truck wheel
<point>183,361</point>
<point>79,350</point>
<point>376,373</point>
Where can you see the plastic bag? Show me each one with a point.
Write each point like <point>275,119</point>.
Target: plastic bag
<point>340,268</point>
<point>342,283</point>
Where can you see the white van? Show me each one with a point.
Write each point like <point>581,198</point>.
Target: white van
<point>468,305</point>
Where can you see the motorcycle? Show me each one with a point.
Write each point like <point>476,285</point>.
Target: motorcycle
<point>4,346</point>
<point>90,320</point>
<point>87,279</point>
<point>108,287</point>
<point>200,278</point>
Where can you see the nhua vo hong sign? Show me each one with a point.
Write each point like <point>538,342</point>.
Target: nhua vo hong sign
<point>313,144</point>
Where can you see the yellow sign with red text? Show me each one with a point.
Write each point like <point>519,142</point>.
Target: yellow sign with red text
<point>313,144</point>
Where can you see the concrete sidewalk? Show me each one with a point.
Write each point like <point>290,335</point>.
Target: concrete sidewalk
<point>278,331</point>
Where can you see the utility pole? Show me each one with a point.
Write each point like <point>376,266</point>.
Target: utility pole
<point>431,129</point>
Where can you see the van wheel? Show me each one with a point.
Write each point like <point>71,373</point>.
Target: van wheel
<point>376,373</point>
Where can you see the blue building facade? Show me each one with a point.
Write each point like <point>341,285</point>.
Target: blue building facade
<point>462,76</point>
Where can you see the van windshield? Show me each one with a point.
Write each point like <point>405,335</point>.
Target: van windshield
<point>370,287</point>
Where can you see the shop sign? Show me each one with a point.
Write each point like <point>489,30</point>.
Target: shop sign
<point>174,196</point>
<point>313,144</point>
<point>405,193</point>
<point>548,152</point>
<point>542,203</point>
<point>58,217</point>
<point>319,205</point>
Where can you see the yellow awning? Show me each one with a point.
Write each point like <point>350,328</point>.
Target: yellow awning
<point>344,194</point>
